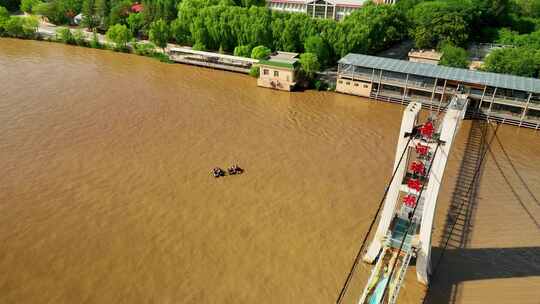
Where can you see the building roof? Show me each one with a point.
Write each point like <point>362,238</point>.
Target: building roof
<point>435,71</point>
<point>187,50</point>
<point>285,57</point>
<point>425,54</point>
<point>279,64</point>
<point>347,3</point>
<point>136,7</point>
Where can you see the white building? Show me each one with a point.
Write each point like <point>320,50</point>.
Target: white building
<point>329,9</point>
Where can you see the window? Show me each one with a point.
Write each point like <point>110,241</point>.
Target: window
<point>341,81</point>
<point>348,83</point>
<point>265,72</point>
<point>276,73</point>
<point>365,86</point>
<point>356,84</point>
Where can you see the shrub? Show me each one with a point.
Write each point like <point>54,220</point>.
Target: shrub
<point>454,57</point>
<point>14,27</point>
<point>319,85</point>
<point>199,46</point>
<point>4,18</point>
<point>94,43</point>
<point>135,23</point>
<point>242,51</point>
<point>162,57</point>
<point>159,33</point>
<point>20,27</point>
<point>79,38</point>
<point>65,36</point>
<point>30,27</point>
<point>310,64</point>
<point>120,35</point>
<point>144,49</point>
<point>260,52</point>
<point>254,71</point>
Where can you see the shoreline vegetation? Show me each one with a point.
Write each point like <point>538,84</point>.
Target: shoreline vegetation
<point>246,28</point>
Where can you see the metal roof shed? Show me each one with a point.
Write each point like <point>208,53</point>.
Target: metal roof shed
<point>505,81</point>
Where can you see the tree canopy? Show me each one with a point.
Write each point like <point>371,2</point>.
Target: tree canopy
<point>438,22</point>
<point>309,64</point>
<point>317,46</point>
<point>454,57</point>
<point>119,34</point>
<point>159,33</point>
<point>260,52</point>
<point>516,61</point>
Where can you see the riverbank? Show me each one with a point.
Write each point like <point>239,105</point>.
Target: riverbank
<point>81,37</point>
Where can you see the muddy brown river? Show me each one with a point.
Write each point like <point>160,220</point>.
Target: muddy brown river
<point>106,194</point>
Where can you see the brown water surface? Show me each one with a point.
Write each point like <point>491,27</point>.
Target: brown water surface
<point>106,196</point>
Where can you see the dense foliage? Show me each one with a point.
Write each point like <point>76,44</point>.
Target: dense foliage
<point>26,5</point>
<point>309,64</point>
<point>260,52</point>
<point>119,34</point>
<point>522,61</point>
<point>521,56</point>
<point>159,33</point>
<point>454,57</point>
<point>18,27</point>
<point>207,24</point>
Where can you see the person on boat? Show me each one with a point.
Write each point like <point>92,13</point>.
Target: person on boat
<point>235,169</point>
<point>217,172</point>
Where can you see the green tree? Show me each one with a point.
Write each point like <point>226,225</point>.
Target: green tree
<point>159,33</point>
<point>516,61</point>
<point>317,46</point>
<point>529,8</point>
<point>103,10</point>
<point>135,23</point>
<point>491,12</point>
<point>242,51</point>
<point>90,20</point>
<point>437,22</point>
<point>14,27</point>
<point>260,52</point>
<point>30,26</point>
<point>120,12</point>
<point>119,34</point>
<point>65,35</point>
<point>59,11</point>
<point>4,16</point>
<point>26,5</point>
<point>159,9</point>
<point>309,64</point>
<point>454,57</point>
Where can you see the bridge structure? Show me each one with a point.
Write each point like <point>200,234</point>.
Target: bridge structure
<point>404,229</point>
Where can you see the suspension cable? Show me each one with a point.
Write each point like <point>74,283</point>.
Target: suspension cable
<point>359,253</point>
<point>411,217</point>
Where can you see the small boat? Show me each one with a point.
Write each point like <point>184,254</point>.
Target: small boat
<point>235,169</point>
<point>218,172</point>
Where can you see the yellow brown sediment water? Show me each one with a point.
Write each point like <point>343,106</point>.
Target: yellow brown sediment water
<point>106,194</point>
